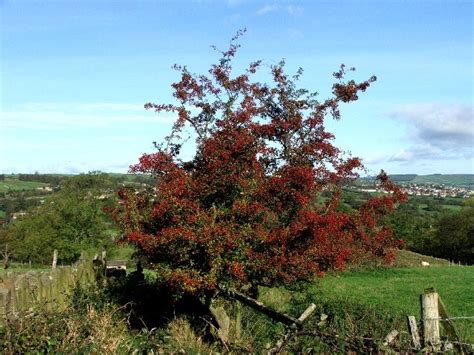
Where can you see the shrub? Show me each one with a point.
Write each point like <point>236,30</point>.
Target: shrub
<point>244,210</point>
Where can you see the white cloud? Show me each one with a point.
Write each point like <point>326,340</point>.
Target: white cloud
<point>436,132</point>
<point>267,9</point>
<point>449,126</point>
<point>55,116</point>
<point>294,10</point>
<point>289,9</point>
<point>436,135</point>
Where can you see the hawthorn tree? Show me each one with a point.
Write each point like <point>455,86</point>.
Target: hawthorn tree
<point>244,211</point>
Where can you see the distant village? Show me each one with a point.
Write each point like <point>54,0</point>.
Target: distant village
<point>412,189</point>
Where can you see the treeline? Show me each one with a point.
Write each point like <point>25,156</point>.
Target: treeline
<point>51,179</point>
<point>55,180</point>
<point>15,204</point>
<point>440,227</point>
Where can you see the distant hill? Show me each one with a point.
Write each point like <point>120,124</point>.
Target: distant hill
<point>403,177</point>
<point>452,179</point>
<point>466,180</point>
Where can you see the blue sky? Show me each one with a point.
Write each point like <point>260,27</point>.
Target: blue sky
<point>75,75</point>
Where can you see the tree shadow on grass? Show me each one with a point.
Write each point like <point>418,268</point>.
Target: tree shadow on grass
<point>150,304</point>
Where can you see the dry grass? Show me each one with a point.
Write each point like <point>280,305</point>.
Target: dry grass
<point>106,335</point>
<point>182,339</point>
<point>92,332</point>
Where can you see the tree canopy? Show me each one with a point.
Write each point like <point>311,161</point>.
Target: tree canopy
<point>244,211</point>
<point>453,235</point>
<point>71,221</point>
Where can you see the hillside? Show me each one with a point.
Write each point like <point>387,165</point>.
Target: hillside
<point>452,179</point>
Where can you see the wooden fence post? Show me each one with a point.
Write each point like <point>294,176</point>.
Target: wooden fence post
<point>413,329</point>
<point>291,330</point>
<point>55,259</point>
<point>430,316</point>
<point>238,320</point>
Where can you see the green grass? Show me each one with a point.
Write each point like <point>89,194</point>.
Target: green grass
<point>15,184</point>
<point>406,258</point>
<point>2,214</point>
<point>21,268</point>
<point>453,208</point>
<point>390,293</point>
<point>399,289</point>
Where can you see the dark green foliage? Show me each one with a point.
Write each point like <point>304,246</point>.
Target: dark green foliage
<point>411,225</point>
<point>70,221</point>
<point>453,237</point>
<point>18,202</point>
<point>52,179</point>
<point>427,226</point>
<point>437,226</point>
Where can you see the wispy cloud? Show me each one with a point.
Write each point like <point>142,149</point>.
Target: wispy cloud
<point>235,2</point>
<point>289,9</point>
<point>267,9</point>
<point>439,125</point>
<point>293,9</point>
<point>54,116</point>
<point>84,107</point>
<point>435,132</point>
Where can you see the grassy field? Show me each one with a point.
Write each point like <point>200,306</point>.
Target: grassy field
<point>391,293</point>
<point>15,184</point>
<point>399,289</point>
<point>22,268</point>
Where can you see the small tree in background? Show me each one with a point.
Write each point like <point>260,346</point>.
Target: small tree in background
<point>71,221</point>
<point>244,211</point>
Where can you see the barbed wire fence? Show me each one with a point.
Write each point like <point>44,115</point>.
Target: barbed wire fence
<point>254,332</point>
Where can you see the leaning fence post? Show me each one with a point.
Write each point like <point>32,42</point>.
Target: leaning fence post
<point>413,329</point>
<point>430,316</point>
<point>450,329</point>
<point>292,328</point>
<point>55,259</point>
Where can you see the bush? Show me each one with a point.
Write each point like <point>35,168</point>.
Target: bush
<point>244,211</point>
